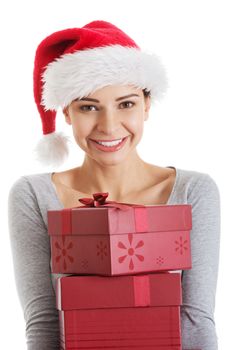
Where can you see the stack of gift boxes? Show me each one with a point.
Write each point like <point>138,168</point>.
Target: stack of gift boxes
<point>122,289</point>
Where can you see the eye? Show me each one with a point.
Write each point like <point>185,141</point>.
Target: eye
<point>127,104</point>
<point>87,108</point>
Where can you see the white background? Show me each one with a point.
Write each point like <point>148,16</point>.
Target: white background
<point>192,128</point>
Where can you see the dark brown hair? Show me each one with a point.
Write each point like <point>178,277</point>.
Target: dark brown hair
<point>146,92</point>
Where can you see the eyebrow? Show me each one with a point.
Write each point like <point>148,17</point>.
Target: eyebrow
<point>118,99</point>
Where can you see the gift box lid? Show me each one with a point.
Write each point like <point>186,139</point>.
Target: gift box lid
<point>109,220</point>
<point>92,292</point>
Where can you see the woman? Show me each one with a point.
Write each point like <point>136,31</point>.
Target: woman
<point>105,85</point>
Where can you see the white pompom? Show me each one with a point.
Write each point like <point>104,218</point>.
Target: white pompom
<point>52,149</point>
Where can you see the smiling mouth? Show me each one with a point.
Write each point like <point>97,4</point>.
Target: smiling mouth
<point>110,142</point>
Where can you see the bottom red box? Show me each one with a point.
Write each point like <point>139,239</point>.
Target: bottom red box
<point>158,323</point>
<point>142,312</point>
<point>141,347</point>
<point>120,344</point>
<point>121,319</point>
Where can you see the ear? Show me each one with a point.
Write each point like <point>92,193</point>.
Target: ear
<point>67,116</point>
<point>147,107</point>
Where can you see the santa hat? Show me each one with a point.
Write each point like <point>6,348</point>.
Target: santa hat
<point>73,63</point>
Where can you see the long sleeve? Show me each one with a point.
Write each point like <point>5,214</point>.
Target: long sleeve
<point>199,283</point>
<point>31,258</point>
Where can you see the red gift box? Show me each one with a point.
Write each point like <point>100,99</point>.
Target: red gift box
<point>120,240</point>
<point>155,347</point>
<point>139,311</point>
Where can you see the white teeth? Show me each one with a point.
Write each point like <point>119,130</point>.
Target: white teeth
<point>112,143</point>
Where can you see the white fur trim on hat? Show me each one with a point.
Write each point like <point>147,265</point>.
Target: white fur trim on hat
<point>76,75</point>
<point>52,149</point>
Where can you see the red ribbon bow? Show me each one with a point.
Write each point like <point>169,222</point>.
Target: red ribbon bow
<point>99,200</point>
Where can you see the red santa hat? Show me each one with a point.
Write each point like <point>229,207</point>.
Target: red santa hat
<point>74,62</point>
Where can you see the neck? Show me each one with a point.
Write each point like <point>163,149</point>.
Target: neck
<point>118,180</point>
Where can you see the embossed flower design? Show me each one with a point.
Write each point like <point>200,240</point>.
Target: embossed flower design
<point>181,245</point>
<point>159,260</point>
<point>101,249</point>
<point>130,251</point>
<point>84,264</point>
<point>63,252</point>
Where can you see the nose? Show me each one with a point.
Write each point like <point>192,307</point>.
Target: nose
<point>108,122</point>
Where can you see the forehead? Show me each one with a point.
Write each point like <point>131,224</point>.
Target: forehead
<point>115,91</point>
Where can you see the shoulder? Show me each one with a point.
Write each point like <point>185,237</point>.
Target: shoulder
<point>27,186</point>
<point>199,184</point>
<point>29,198</point>
<point>201,191</point>
<point>33,195</point>
<point>193,187</point>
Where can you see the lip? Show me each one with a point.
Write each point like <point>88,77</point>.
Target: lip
<point>109,148</point>
<point>108,140</point>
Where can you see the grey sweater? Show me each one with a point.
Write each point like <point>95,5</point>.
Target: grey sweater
<point>29,199</point>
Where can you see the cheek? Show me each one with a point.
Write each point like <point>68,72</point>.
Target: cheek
<point>136,122</point>
<point>81,128</point>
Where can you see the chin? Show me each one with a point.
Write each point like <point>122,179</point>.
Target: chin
<point>111,160</point>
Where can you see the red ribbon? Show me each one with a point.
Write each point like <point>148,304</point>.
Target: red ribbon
<point>141,285</point>
<point>99,200</point>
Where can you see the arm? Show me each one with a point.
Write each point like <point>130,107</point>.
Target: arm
<point>31,259</point>
<point>199,283</point>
